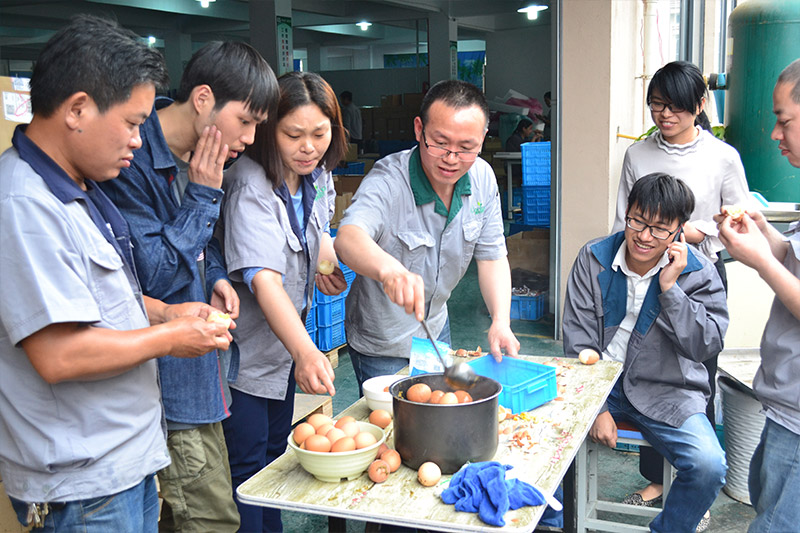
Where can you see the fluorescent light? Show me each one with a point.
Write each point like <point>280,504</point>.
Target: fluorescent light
<point>532,11</point>
<point>205,3</point>
<point>151,40</point>
<point>363,25</point>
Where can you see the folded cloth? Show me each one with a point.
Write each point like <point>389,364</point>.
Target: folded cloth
<point>483,488</point>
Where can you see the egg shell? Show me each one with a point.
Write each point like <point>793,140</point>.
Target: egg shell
<point>344,420</point>
<point>334,434</point>
<point>364,439</point>
<point>325,267</point>
<point>419,393</point>
<point>587,356</point>
<point>318,443</point>
<point>345,444</point>
<point>302,432</point>
<point>324,429</point>
<point>380,418</point>
<point>318,419</point>
<point>449,398</point>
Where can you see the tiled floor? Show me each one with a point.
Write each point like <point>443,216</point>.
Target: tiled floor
<point>469,322</point>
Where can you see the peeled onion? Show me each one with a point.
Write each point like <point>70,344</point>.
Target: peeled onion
<point>325,267</point>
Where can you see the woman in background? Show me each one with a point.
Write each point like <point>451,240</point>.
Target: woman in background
<point>713,171</point>
<point>278,204</point>
<point>522,134</point>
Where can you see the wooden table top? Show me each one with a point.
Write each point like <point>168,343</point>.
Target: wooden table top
<point>556,431</point>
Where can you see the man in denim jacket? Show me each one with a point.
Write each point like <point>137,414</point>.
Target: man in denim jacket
<point>644,298</point>
<point>171,197</point>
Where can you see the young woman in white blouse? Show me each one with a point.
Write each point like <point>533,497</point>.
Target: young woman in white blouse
<point>713,171</point>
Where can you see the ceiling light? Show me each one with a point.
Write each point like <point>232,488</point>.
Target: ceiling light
<point>363,25</point>
<point>151,40</point>
<point>532,11</point>
<point>205,3</point>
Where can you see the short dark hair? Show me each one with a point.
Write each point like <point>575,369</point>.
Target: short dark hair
<point>791,75</point>
<point>680,83</point>
<point>235,71</point>
<point>523,123</point>
<point>659,194</point>
<point>346,95</point>
<point>96,56</point>
<point>454,93</point>
<point>298,89</point>
<point>547,95</point>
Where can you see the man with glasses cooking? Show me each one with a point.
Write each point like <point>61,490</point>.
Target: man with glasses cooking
<point>644,298</point>
<point>415,224</point>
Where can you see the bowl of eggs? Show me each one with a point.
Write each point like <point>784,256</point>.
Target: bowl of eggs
<point>335,450</point>
<point>376,391</point>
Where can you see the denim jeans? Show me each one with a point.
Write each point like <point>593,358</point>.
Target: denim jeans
<point>368,366</point>
<point>693,449</point>
<point>775,480</point>
<point>256,434</point>
<point>131,511</point>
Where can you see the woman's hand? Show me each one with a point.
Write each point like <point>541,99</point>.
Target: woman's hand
<point>331,284</point>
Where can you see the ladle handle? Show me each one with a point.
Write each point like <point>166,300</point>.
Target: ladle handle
<point>433,342</point>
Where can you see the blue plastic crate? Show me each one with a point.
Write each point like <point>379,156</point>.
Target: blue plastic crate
<point>526,385</point>
<point>355,167</point>
<point>516,198</point>
<point>536,205</point>
<point>528,307</point>
<point>536,163</point>
<point>330,313</point>
<point>311,320</point>
<point>329,337</point>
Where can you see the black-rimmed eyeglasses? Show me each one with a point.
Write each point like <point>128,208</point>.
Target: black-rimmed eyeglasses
<point>658,107</point>
<point>441,153</point>
<point>658,233</point>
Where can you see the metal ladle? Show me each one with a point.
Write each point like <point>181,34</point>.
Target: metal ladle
<point>460,375</point>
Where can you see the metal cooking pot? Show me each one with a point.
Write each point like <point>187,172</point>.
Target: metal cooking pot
<point>448,435</point>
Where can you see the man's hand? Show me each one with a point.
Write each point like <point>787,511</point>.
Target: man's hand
<point>501,338</point>
<point>678,254</point>
<point>225,299</point>
<point>331,284</point>
<point>194,336</point>
<point>314,374</point>
<point>745,241</point>
<point>407,290</point>
<point>604,430</point>
<point>208,159</point>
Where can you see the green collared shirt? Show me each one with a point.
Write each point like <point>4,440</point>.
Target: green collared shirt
<point>424,193</point>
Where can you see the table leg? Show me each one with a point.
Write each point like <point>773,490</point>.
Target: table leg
<point>510,198</point>
<point>569,499</point>
<point>337,524</point>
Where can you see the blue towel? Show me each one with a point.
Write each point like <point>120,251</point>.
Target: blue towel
<point>483,488</point>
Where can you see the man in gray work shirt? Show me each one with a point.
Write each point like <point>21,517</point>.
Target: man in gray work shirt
<point>415,223</point>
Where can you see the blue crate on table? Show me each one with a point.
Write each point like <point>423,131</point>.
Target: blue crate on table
<point>516,198</point>
<point>526,385</point>
<point>351,168</point>
<point>536,163</point>
<point>329,313</point>
<point>528,307</point>
<point>536,205</point>
<point>330,337</point>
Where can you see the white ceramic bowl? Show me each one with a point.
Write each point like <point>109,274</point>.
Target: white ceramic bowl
<point>377,397</point>
<point>332,467</point>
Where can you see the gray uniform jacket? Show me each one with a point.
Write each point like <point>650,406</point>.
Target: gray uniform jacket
<point>663,376</point>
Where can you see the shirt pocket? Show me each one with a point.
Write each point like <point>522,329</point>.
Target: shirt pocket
<point>110,286</point>
<point>472,230</point>
<point>414,246</point>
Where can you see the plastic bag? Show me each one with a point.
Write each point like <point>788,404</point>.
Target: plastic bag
<point>423,358</point>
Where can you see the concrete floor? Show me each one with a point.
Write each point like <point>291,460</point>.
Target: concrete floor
<point>619,474</point>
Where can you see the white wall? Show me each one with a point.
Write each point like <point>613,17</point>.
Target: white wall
<point>368,85</point>
<point>519,60</point>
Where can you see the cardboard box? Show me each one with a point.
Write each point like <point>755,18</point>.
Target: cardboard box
<point>346,184</point>
<point>413,101</point>
<point>366,123</point>
<point>342,203</point>
<point>16,107</point>
<point>530,250</point>
<point>8,518</point>
<point>391,100</point>
<point>368,163</point>
<point>492,144</point>
<point>352,152</point>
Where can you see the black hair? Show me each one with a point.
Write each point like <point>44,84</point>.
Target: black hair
<point>296,90</point>
<point>662,195</point>
<point>346,95</point>
<point>236,72</point>
<point>791,74</point>
<point>547,95</point>
<point>454,93</point>
<point>96,56</point>
<point>682,84</point>
<point>523,123</point>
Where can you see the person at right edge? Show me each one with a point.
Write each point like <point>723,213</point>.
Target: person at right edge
<point>684,147</point>
<point>774,480</point>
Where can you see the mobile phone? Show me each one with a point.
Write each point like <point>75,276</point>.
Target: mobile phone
<point>675,239</point>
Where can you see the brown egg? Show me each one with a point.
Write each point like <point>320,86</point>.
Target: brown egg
<point>587,356</point>
<point>419,393</point>
<point>350,429</point>
<point>318,419</point>
<point>324,429</point>
<point>365,439</point>
<point>448,398</point>
<point>382,448</point>
<point>345,444</point>
<point>463,396</point>
<point>335,434</point>
<point>392,459</point>
<point>302,432</point>
<point>344,420</point>
<point>378,471</point>
<point>436,396</point>
<point>318,443</point>
<point>380,418</point>
<point>429,474</point>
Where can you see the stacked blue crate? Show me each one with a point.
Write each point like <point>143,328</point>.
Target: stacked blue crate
<point>355,168</point>
<point>536,184</point>
<point>329,312</point>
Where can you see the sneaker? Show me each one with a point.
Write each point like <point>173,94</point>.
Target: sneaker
<point>636,499</point>
<point>704,522</point>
